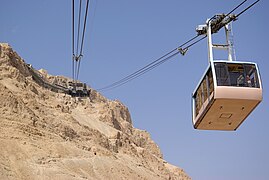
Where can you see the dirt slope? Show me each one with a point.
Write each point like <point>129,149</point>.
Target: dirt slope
<point>48,135</point>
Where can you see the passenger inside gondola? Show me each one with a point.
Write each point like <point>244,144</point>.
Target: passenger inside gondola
<point>239,75</point>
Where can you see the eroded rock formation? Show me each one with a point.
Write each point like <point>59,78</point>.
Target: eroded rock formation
<point>49,135</point>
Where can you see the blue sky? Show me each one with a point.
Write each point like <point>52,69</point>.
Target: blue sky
<point>123,36</point>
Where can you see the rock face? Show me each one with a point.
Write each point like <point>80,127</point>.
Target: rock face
<point>49,135</point>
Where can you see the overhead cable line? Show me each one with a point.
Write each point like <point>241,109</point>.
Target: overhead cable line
<point>231,10</point>
<point>151,65</point>
<point>73,39</point>
<point>78,27</point>
<point>77,38</point>
<point>83,35</point>
<point>120,83</point>
<point>84,27</point>
<point>180,49</point>
<point>247,8</point>
<point>236,7</point>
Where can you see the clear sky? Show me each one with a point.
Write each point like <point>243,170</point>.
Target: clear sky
<point>123,36</point>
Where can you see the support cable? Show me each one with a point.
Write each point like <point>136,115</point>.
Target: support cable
<point>110,87</point>
<point>230,11</point>
<point>186,48</point>
<point>236,7</point>
<point>136,72</point>
<point>73,38</point>
<point>84,27</point>
<point>77,39</point>
<point>170,54</point>
<point>152,65</point>
<point>73,27</point>
<point>247,8</point>
<point>78,31</point>
<point>82,39</point>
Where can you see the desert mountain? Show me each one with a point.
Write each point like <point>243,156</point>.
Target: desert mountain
<point>50,135</point>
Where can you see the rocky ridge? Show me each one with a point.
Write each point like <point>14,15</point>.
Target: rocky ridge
<point>48,135</point>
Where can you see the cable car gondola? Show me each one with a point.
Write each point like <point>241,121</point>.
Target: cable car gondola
<point>228,91</point>
<point>226,95</point>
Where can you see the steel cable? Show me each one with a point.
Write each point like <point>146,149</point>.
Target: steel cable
<point>76,56</point>
<point>150,66</point>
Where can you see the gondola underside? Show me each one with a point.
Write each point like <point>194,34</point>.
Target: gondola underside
<point>225,114</point>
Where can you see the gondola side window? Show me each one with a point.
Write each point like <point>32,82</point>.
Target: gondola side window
<point>238,75</point>
<point>204,91</point>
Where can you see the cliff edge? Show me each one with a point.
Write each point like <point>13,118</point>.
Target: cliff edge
<point>50,135</point>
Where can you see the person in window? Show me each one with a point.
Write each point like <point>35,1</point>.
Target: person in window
<point>248,81</point>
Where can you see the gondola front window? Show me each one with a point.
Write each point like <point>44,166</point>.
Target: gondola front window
<point>236,74</point>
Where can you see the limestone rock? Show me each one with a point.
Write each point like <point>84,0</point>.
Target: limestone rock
<point>49,135</point>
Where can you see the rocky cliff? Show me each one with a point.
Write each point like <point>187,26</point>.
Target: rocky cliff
<point>49,135</point>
